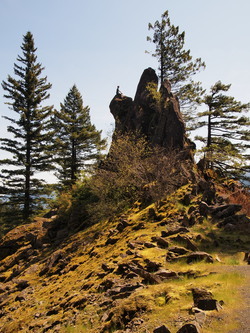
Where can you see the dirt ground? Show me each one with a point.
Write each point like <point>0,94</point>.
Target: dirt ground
<point>242,315</point>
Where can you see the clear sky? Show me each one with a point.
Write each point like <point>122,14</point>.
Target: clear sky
<point>99,44</point>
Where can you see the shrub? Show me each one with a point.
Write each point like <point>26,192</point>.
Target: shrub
<point>135,171</point>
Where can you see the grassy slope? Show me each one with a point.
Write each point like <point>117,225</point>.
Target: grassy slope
<point>70,299</point>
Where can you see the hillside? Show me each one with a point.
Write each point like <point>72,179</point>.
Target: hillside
<point>133,273</point>
<point>165,264</point>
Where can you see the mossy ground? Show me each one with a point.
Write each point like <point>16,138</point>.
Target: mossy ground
<point>71,300</point>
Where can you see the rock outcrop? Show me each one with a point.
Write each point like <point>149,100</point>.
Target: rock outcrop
<point>157,118</point>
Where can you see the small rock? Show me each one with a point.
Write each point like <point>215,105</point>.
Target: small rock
<point>200,316</point>
<point>20,298</point>
<point>204,209</point>
<point>186,200</point>
<point>122,225</point>
<point>139,226</point>
<point>22,284</point>
<point>161,242</point>
<point>106,268</point>
<point>178,230</point>
<point>190,328</point>
<point>161,329</point>
<point>111,241</point>
<point>152,214</point>
<point>152,266</point>
<point>208,304</point>
<point>166,274</point>
<point>178,250</point>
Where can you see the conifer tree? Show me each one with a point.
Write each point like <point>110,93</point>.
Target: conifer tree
<point>77,142</point>
<point>228,135</point>
<point>28,137</point>
<point>175,63</point>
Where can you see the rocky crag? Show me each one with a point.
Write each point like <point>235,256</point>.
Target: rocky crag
<point>159,121</point>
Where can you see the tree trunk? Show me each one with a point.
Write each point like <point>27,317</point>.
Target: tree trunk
<point>209,140</point>
<point>26,211</point>
<point>73,162</point>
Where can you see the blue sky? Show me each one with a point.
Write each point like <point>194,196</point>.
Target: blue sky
<point>99,44</point>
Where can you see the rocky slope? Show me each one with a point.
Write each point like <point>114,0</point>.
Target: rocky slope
<point>149,270</point>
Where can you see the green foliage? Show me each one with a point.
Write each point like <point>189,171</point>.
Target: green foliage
<point>77,142</point>
<point>29,130</point>
<point>75,204</point>
<point>175,63</point>
<point>228,135</point>
<point>134,171</point>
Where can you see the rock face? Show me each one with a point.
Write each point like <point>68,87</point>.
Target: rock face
<point>159,120</point>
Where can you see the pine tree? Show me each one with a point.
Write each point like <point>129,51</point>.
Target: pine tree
<point>228,132</point>
<point>77,142</point>
<point>175,63</point>
<point>27,145</point>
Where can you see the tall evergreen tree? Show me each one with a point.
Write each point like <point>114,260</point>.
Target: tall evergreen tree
<point>175,63</point>
<point>77,142</point>
<point>228,135</point>
<point>26,92</point>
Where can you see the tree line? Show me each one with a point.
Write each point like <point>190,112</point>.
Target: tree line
<point>42,139</point>
<point>65,140</point>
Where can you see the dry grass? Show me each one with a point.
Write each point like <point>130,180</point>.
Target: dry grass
<point>241,197</point>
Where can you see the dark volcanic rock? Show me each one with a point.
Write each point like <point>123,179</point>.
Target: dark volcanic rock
<point>200,294</point>
<point>161,329</point>
<point>190,328</point>
<point>226,210</point>
<point>161,242</point>
<point>198,256</point>
<point>161,122</point>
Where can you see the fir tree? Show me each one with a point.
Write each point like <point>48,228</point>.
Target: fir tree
<point>27,145</point>
<point>77,142</point>
<point>228,135</point>
<point>175,63</point>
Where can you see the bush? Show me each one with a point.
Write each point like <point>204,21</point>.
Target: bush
<point>135,171</point>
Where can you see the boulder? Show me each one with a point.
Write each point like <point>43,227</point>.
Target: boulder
<point>185,240</point>
<point>199,256</point>
<point>226,210</point>
<point>200,294</point>
<point>240,222</point>
<point>208,304</point>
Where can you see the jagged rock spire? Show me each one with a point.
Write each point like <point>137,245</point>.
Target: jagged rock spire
<point>162,126</point>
